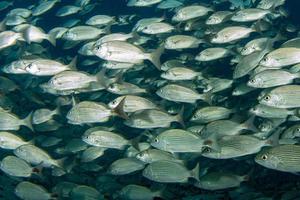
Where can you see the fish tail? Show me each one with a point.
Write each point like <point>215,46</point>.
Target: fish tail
<point>195,172</point>
<point>273,140</point>
<point>61,162</point>
<point>155,57</point>
<point>119,109</point>
<point>27,121</point>
<point>72,64</point>
<point>179,117</point>
<point>3,25</point>
<point>249,124</point>
<point>51,38</point>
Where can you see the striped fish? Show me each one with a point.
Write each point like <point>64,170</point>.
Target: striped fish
<point>287,96</point>
<point>284,158</point>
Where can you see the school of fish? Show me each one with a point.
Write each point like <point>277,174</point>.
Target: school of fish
<point>149,99</point>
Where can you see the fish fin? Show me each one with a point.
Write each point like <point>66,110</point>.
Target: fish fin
<point>203,171</point>
<point>288,141</point>
<point>297,110</point>
<point>51,38</point>
<point>38,169</point>
<point>179,117</point>
<point>101,78</point>
<point>257,26</point>
<point>208,97</point>
<point>3,25</point>
<point>57,171</point>
<point>244,178</point>
<point>249,124</point>
<point>135,141</point>
<point>26,36</point>
<point>273,140</point>
<point>134,36</point>
<point>32,141</point>
<point>195,172</point>
<point>119,109</point>
<point>61,162</point>
<point>147,118</point>
<point>74,101</point>
<point>27,121</point>
<point>154,57</point>
<point>162,192</point>
<point>72,64</point>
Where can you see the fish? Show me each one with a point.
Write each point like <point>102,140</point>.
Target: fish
<point>181,74</point>
<point>142,3</point>
<point>132,103</point>
<point>190,12</point>
<point>100,20</point>
<point>282,158</point>
<point>281,97</point>
<point>178,93</point>
<point>46,67</point>
<point>213,53</point>
<point>218,17</point>
<point>231,34</point>
<point>36,34</point>
<point>125,166</point>
<point>43,7</point>
<point>121,51</point>
<point>281,57</point>
<point>271,112</point>
<point>10,121</point>
<point>227,127</point>
<point>178,42</point>
<point>152,155</point>
<point>233,146</point>
<point>9,38</point>
<point>152,118</point>
<point>81,33</point>
<point>170,172</point>
<point>220,180</point>
<point>11,141</point>
<point>16,167</point>
<point>28,190</point>
<point>36,156</point>
<point>105,139</point>
<point>132,191</point>
<point>271,78</point>
<point>249,14</point>
<point>178,140</point>
<point>91,112</point>
<point>67,10</point>
<point>102,101</point>
<point>211,113</point>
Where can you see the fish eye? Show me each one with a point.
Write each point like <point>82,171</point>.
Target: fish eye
<point>112,86</point>
<point>114,102</point>
<point>86,137</point>
<point>156,140</point>
<point>29,65</point>
<point>252,81</point>
<point>267,98</point>
<point>206,150</point>
<point>298,129</point>
<point>265,59</point>
<point>264,157</point>
<point>141,154</point>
